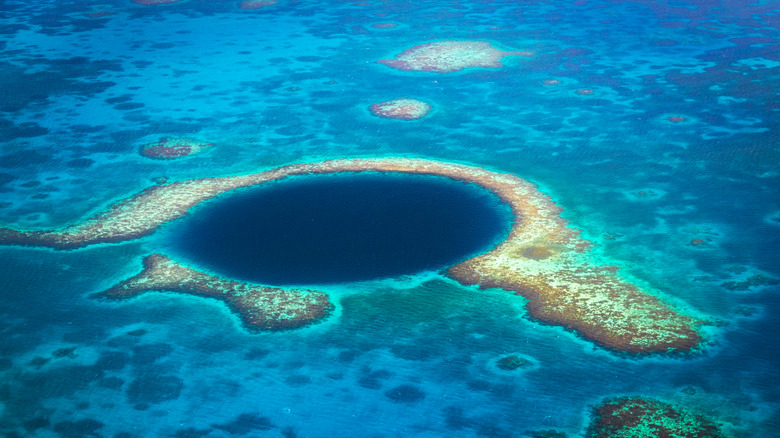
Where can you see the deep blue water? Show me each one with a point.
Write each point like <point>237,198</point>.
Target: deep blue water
<point>414,354</point>
<point>336,229</point>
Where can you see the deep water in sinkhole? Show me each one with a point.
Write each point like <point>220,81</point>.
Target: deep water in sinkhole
<point>340,228</point>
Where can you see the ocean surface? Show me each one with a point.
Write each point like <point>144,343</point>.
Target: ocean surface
<point>653,124</point>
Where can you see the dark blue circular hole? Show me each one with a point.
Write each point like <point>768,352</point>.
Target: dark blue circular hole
<point>341,228</point>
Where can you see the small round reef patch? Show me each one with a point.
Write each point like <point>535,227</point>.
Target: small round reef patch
<point>401,109</point>
<point>256,4</point>
<point>450,56</point>
<point>513,362</point>
<point>172,148</point>
<point>638,417</point>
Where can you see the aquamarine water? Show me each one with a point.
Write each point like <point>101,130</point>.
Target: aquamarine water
<point>669,163</point>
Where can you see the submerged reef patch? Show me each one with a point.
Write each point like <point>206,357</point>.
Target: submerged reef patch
<point>513,362</point>
<point>172,148</point>
<point>401,109</point>
<point>638,417</point>
<point>449,56</point>
<point>542,259</point>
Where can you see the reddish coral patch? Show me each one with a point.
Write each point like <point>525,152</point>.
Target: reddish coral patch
<point>675,119</point>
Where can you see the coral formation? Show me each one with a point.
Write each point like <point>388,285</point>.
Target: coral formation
<point>260,307</point>
<point>401,109</point>
<point>754,281</point>
<point>449,56</point>
<point>542,259</point>
<point>631,417</point>
<point>172,148</point>
<point>513,362</point>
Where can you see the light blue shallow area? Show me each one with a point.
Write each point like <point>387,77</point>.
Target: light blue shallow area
<point>669,164</point>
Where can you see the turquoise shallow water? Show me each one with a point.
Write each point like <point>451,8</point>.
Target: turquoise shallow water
<point>412,355</point>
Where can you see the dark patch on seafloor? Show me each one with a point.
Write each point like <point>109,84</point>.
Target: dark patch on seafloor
<point>72,76</point>
<point>340,228</point>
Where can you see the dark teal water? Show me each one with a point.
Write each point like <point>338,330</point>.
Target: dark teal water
<point>410,355</point>
<point>343,228</point>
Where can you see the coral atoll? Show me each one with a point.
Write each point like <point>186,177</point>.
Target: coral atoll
<point>542,259</point>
